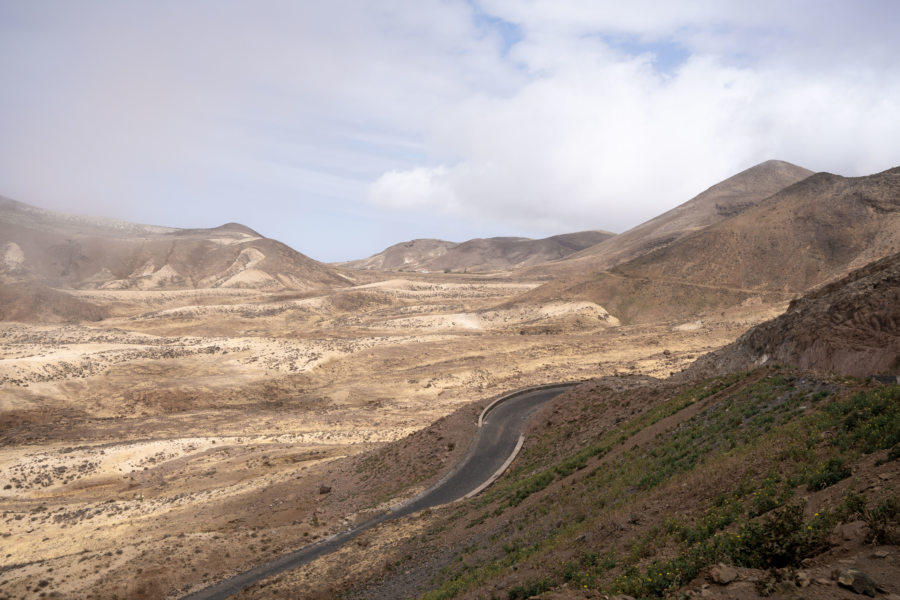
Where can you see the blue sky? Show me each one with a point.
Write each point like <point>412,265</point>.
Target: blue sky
<point>343,127</point>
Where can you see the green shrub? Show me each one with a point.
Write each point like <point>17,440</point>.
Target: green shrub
<point>883,521</point>
<point>831,472</point>
<point>782,539</point>
<point>528,590</point>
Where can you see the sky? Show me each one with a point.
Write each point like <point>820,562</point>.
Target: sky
<point>345,126</point>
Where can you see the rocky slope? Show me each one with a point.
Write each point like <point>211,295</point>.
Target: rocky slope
<point>38,246</point>
<point>851,326</point>
<point>478,255</point>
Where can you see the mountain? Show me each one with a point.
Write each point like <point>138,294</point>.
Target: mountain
<point>478,255</point>
<point>411,256</point>
<point>809,233</point>
<point>723,200</point>
<point>851,327</point>
<point>69,251</point>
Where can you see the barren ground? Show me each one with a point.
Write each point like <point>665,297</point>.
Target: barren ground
<point>195,433</point>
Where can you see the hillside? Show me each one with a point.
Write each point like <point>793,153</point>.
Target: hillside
<point>627,485</point>
<point>851,326</point>
<point>478,255</point>
<point>809,233</point>
<point>35,302</point>
<point>721,201</point>
<point>60,250</point>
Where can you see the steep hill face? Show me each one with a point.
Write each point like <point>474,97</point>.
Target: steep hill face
<point>35,302</point>
<point>478,255</point>
<point>722,201</point>
<point>809,233</point>
<point>58,250</point>
<point>851,327</point>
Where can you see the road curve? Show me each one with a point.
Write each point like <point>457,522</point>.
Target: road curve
<point>491,451</point>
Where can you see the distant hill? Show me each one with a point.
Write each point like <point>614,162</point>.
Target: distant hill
<point>722,201</point>
<point>478,255</point>
<point>851,327</point>
<point>68,251</point>
<point>809,233</point>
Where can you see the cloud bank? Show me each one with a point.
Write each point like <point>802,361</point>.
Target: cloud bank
<point>345,126</point>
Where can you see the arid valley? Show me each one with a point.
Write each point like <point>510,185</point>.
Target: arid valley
<point>177,406</point>
<point>217,415</point>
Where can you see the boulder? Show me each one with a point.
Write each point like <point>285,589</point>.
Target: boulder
<point>858,582</point>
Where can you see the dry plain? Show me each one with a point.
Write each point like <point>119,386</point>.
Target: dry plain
<point>194,433</point>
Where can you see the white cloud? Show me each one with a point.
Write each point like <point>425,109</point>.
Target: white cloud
<point>600,138</point>
<point>556,115</point>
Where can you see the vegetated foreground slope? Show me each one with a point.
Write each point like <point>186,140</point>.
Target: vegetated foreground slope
<point>851,326</point>
<point>78,252</point>
<point>478,255</point>
<point>638,487</point>
<point>810,233</point>
<point>723,200</point>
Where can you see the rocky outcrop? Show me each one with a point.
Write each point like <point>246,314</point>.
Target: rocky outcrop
<point>851,327</point>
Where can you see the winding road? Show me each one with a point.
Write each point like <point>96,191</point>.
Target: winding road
<point>497,442</point>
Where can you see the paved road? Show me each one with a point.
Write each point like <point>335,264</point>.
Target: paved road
<point>495,442</point>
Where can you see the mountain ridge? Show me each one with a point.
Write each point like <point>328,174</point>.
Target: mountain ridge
<point>55,249</point>
<point>725,199</point>
<point>477,255</point>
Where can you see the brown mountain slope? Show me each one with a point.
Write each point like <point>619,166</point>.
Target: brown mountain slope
<point>478,255</point>
<point>809,233</point>
<point>723,200</point>
<point>70,251</point>
<point>851,327</point>
<point>35,302</point>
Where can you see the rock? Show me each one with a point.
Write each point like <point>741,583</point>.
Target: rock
<point>803,579</point>
<point>858,582</point>
<point>822,581</point>
<point>849,532</point>
<point>787,591</point>
<point>723,574</point>
<point>324,489</point>
<point>881,554</point>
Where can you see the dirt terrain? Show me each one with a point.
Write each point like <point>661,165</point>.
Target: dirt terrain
<point>189,433</point>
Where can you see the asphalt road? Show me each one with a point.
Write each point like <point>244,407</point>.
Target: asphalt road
<point>496,440</point>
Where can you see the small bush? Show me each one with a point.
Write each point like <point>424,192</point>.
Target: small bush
<point>883,521</point>
<point>528,590</point>
<point>828,474</point>
<point>783,539</point>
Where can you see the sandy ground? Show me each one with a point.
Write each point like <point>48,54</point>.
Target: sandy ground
<point>190,434</point>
